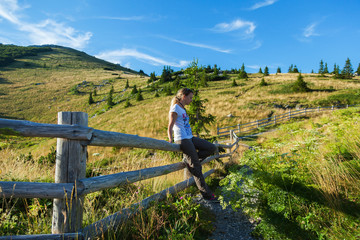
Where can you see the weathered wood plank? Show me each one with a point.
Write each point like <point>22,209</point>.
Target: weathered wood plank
<point>65,236</point>
<point>113,180</point>
<point>32,129</point>
<point>112,221</point>
<point>105,138</point>
<point>35,190</point>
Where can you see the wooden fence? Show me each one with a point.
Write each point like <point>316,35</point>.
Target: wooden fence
<point>71,185</point>
<point>273,120</point>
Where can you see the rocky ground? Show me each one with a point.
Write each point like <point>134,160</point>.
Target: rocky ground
<point>229,224</point>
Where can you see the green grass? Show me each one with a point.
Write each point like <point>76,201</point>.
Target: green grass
<point>305,180</point>
<point>36,88</point>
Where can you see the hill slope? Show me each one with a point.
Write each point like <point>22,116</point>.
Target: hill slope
<point>37,87</point>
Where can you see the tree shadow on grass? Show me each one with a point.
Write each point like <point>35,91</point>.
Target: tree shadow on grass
<point>4,81</point>
<point>313,194</point>
<point>286,227</point>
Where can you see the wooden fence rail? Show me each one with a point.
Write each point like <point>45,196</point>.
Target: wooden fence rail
<point>273,120</point>
<point>73,136</point>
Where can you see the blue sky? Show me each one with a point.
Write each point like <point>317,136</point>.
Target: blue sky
<point>148,35</point>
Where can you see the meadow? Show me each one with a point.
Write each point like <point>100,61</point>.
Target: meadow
<point>36,88</point>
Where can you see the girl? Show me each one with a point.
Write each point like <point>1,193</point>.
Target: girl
<point>195,149</point>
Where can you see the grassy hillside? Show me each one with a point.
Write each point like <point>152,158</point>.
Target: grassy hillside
<point>305,179</point>
<point>35,88</point>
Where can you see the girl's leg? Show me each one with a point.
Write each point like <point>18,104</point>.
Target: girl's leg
<point>194,166</point>
<point>204,147</point>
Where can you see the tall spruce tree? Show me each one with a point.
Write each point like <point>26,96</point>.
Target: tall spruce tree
<point>166,74</point>
<point>198,118</point>
<point>266,71</point>
<point>243,73</point>
<point>347,71</point>
<point>278,70</point>
<point>326,70</point>
<point>358,70</point>
<point>152,78</point>
<point>321,67</point>
<point>110,101</point>
<point>291,69</point>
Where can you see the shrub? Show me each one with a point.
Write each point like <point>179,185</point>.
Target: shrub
<point>127,103</point>
<point>139,96</point>
<point>300,85</point>
<point>263,83</point>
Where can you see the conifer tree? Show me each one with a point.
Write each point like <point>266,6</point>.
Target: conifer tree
<point>152,78</point>
<point>166,74</point>
<point>127,103</point>
<point>110,101</point>
<point>321,67</point>
<point>266,71</point>
<point>139,96</point>
<point>234,84</point>
<point>336,71</point>
<point>347,71</point>
<point>198,118</point>
<point>300,85</point>
<point>134,90</point>
<point>243,73</point>
<point>216,71</point>
<point>358,70</point>
<point>278,70</point>
<point>260,71</point>
<point>263,83</point>
<point>326,70</point>
<point>295,69</point>
<point>291,69</point>
<point>95,93</point>
<point>127,83</point>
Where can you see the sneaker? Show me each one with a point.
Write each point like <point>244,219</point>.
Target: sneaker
<point>212,199</point>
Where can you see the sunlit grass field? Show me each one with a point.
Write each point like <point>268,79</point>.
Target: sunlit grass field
<point>37,88</point>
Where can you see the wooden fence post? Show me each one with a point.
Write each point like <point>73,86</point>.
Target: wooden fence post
<point>275,120</point>
<point>70,166</point>
<point>239,128</point>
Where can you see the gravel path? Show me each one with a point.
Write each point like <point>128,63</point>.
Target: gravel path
<point>230,225</point>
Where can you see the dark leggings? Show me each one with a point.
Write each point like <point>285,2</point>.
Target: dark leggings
<point>194,149</point>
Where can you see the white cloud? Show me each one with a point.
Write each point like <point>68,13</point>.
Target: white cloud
<point>310,30</point>
<point>262,4</point>
<point>249,27</point>
<point>45,32</point>
<point>117,56</point>
<point>200,45</point>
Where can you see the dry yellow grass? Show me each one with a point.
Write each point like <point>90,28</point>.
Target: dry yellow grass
<point>37,94</point>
